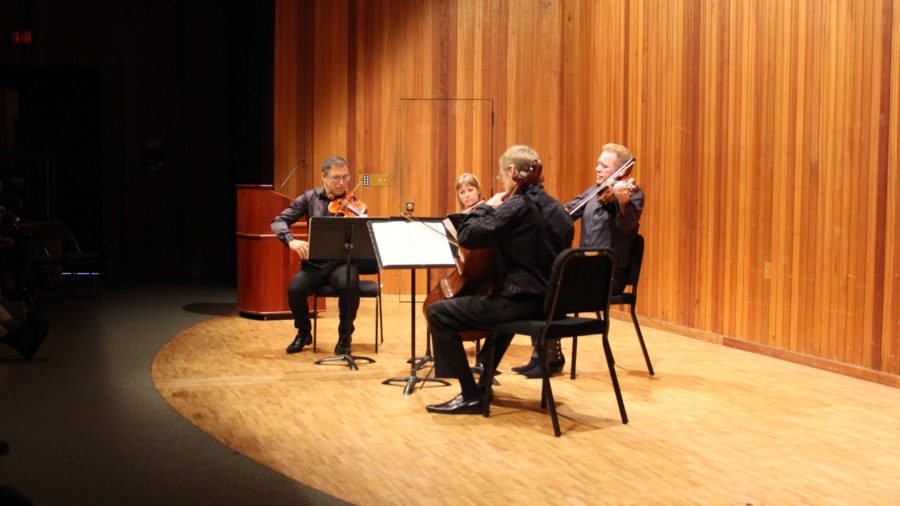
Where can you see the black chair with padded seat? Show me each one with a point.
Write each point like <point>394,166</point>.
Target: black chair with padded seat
<point>580,282</point>
<point>367,289</point>
<point>629,297</point>
<point>59,256</point>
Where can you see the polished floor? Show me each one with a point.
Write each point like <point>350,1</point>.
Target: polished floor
<point>715,425</point>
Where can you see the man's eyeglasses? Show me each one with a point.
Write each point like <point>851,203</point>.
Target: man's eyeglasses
<point>338,179</point>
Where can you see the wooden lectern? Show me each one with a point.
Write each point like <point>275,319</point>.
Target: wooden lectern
<point>265,266</point>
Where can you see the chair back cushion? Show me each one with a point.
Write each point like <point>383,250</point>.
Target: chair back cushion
<point>580,281</point>
<point>637,258</point>
<point>368,266</point>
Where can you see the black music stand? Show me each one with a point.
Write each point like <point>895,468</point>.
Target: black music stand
<point>403,244</point>
<point>339,238</point>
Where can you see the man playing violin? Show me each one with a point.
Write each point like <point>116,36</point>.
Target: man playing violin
<point>608,220</point>
<point>314,273</point>
<point>528,228</point>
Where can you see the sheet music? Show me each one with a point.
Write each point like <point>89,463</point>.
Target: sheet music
<point>412,244</point>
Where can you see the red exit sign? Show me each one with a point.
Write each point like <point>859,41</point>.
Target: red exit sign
<point>21,37</point>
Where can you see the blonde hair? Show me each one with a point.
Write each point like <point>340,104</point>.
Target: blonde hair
<point>468,179</point>
<point>520,157</point>
<point>621,152</point>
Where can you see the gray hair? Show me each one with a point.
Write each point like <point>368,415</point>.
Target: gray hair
<point>333,161</point>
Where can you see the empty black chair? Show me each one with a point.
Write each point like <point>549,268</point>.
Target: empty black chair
<point>627,298</point>
<point>367,289</point>
<point>580,282</point>
<point>59,256</point>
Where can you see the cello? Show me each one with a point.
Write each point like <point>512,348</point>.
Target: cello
<point>475,271</point>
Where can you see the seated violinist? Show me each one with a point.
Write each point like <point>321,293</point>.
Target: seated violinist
<point>314,273</point>
<point>528,228</point>
<point>610,218</point>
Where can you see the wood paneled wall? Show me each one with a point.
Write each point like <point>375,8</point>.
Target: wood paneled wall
<point>765,132</point>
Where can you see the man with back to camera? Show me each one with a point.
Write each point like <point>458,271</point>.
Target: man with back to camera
<point>528,228</point>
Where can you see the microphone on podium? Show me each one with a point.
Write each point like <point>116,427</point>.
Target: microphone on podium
<point>291,173</point>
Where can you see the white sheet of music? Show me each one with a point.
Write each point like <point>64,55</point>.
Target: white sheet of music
<point>412,244</point>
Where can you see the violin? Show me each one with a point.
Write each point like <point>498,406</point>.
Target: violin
<point>609,193</point>
<point>604,191</point>
<point>347,205</point>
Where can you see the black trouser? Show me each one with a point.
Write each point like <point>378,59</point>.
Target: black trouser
<point>309,279</point>
<point>447,318</point>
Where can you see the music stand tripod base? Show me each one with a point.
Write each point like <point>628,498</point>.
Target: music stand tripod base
<point>335,239</point>
<point>350,359</point>
<point>412,233</point>
<point>411,381</point>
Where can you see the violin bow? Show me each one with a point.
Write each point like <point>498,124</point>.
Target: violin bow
<point>600,187</point>
<point>413,219</point>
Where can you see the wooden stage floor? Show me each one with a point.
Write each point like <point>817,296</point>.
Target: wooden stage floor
<point>714,426</point>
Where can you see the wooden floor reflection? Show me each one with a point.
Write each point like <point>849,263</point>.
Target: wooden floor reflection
<point>714,426</point>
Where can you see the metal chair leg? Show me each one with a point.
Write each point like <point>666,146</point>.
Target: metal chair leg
<point>637,329</point>
<point>380,319</point>
<point>546,390</point>
<point>315,321</point>
<point>377,321</point>
<point>574,356</point>
<point>488,378</point>
<point>615,379</point>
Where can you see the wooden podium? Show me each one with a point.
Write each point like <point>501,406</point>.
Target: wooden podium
<point>265,266</point>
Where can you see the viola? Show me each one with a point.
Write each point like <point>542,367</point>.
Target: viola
<point>609,193</point>
<point>604,191</point>
<point>347,205</point>
<point>476,270</point>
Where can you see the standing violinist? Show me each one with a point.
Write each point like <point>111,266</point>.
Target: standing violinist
<point>314,273</point>
<point>528,228</point>
<point>608,220</point>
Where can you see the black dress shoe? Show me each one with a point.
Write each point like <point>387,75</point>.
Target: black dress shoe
<point>479,370</point>
<point>522,368</point>
<point>299,342</point>
<point>535,372</point>
<point>457,406</point>
<point>342,347</point>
